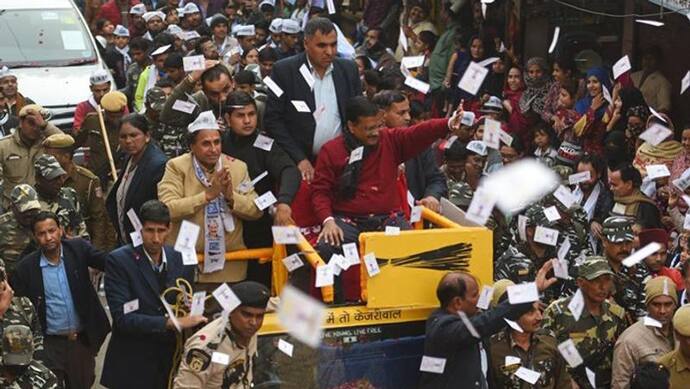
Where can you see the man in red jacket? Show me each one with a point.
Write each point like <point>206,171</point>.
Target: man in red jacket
<point>354,187</point>
<point>114,10</point>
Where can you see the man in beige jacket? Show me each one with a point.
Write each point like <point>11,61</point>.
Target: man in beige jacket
<point>202,187</point>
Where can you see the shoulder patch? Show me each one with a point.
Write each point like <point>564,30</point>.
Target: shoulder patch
<point>85,172</point>
<point>198,359</point>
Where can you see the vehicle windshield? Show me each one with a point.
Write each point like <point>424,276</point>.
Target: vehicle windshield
<point>39,37</point>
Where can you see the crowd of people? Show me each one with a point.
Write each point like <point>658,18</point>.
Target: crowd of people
<point>218,120</point>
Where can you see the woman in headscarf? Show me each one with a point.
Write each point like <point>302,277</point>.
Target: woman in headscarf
<point>637,117</point>
<point>512,92</point>
<point>663,153</point>
<point>590,129</point>
<point>538,84</point>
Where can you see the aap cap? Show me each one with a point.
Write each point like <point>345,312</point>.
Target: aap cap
<point>48,167</point>
<point>174,29</point>
<point>660,286</point>
<point>99,77</point>
<point>121,30</point>
<point>493,105</point>
<point>247,30</point>
<point>191,8</point>
<point>276,25</point>
<point>271,3</point>
<point>189,35</point>
<point>138,9</point>
<point>681,320</point>
<point>58,141</point>
<point>180,12</point>
<point>153,14</point>
<point>617,229</point>
<point>17,345</point>
<point>25,198</point>
<point>161,50</point>
<point>467,118</point>
<point>155,98</point>
<point>205,121</point>
<point>114,101</point>
<point>290,26</point>
<point>593,267</point>
<point>478,147</point>
<point>5,72</point>
<point>252,294</point>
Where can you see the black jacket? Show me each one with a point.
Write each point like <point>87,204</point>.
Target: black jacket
<point>79,255</point>
<point>140,351</point>
<point>294,131</point>
<point>448,338</point>
<point>424,178</point>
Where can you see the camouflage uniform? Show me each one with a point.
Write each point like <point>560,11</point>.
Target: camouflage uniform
<point>14,237</point>
<point>171,139</point>
<point>459,193</point>
<point>19,369</point>
<point>594,336</point>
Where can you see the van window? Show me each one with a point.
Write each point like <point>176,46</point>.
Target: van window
<point>40,37</point>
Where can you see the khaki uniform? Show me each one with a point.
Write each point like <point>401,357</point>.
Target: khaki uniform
<point>636,345</point>
<point>14,238</point>
<point>17,160</point>
<point>185,196</point>
<point>678,367</point>
<point>90,137</point>
<point>92,201</point>
<point>196,369</point>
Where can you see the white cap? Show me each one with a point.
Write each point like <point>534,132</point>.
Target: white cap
<point>5,72</point>
<point>189,35</point>
<point>138,9</point>
<point>272,3</point>
<point>290,26</point>
<point>180,12</point>
<point>160,50</point>
<point>247,30</point>
<point>174,29</point>
<point>99,77</point>
<point>153,14</point>
<point>275,26</point>
<point>478,147</point>
<point>121,30</point>
<point>467,118</point>
<point>191,8</point>
<point>205,121</point>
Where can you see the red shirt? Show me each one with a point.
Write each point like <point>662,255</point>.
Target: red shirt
<point>673,274</point>
<point>111,11</point>
<point>377,191</point>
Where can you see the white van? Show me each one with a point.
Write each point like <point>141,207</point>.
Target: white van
<point>49,47</point>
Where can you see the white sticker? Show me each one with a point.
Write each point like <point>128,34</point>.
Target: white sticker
<point>505,137</point>
<point>220,358</point>
<point>331,7</point>
<point>485,297</point>
<point>131,306</point>
<point>621,66</point>
<point>194,62</point>
<point>72,40</point>
<point>292,262</point>
<point>470,327</point>
<point>651,322</point>
<point>265,200</point>
<point>413,62</point>
<point>552,214</point>
<point>285,234</point>
<point>324,276</point>
<point>527,375</point>
<point>570,353</point>
<point>522,227</point>
<point>351,253</point>
<point>641,254</point>
<point>685,83</point>
<point>655,134</point>
<point>417,85</point>
<point>285,347</point>
<point>564,249</point>
<point>402,39</point>
<point>136,238</point>
<point>565,196</point>
<point>491,136</point>
<point>618,208</point>
<point>577,178</point>
<point>514,325</point>
<point>392,230</point>
<point>576,305</point>
<point>183,106</point>
<point>372,265</point>
<point>591,377</point>
<point>301,315</point>
<point>171,315</point>
<point>198,302</point>
<point>263,142</point>
<point>226,298</point>
<point>545,235</point>
<point>273,86</point>
<point>338,262</point>
<point>432,365</point>
<point>189,257</point>
<point>416,214</point>
<point>512,360</point>
<point>560,268</point>
<point>356,154</point>
<point>306,74</point>
<point>657,171</point>
<point>523,293</point>
<point>301,106</point>
<point>554,40</point>
<point>481,206</point>
<point>187,237</point>
<point>473,78</point>
<point>134,219</point>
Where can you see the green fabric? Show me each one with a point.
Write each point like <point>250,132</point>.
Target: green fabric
<point>141,88</point>
<point>441,56</point>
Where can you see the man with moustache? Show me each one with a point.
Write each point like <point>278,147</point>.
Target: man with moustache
<point>595,197</point>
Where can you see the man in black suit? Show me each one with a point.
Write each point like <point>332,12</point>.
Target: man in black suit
<point>56,280</point>
<point>333,82</point>
<point>141,349</point>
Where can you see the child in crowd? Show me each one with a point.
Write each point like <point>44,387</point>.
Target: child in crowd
<point>566,116</point>
<point>545,143</point>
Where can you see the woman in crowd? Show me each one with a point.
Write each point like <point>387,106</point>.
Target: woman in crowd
<point>590,129</point>
<point>564,70</point>
<point>663,153</point>
<point>538,84</point>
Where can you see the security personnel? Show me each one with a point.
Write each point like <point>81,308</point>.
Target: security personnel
<point>88,188</point>
<point>19,368</point>
<point>19,150</point>
<point>599,326</point>
<point>171,138</point>
<point>678,361</point>
<point>234,336</point>
<point>15,225</point>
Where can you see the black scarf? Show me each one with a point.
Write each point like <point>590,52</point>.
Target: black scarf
<point>350,176</point>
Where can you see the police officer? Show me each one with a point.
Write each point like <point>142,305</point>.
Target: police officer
<point>628,291</point>
<point>599,326</point>
<point>88,188</point>
<point>172,139</point>
<point>63,201</point>
<point>19,369</point>
<point>15,225</point>
<point>234,336</point>
<point>677,360</point>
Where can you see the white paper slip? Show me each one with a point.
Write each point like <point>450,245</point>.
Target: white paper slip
<point>560,268</point>
<point>189,257</point>
<point>372,265</point>
<point>514,325</point>
<point>285,347</point>
<point>505,137</point>
<point>485,297</point>
<point>285,234</point>
<point>292,262</point>
<point>405,71</point>
<point>470,327</point>
<point>554,40</point>
<point>519,184</point>
<point>331,7</point>
<point>522,227</point>
<point>655,134</point>
<point>134,219</point>
<point>481,206</point>
<point>651,322</point>
<point>402,39</point>
<point>273,86</point>
<point>488,61</point>
<point>417,85</point>
<point>392,230</point>
<point>265,200</point>
<point>186,238</point>
<point>171,315</point>
<point>591,377</point>
<point>300,106</point>
<point>511,360</point>
<point>416,214</point>
<point>653,23</point>
<point>565,196</point>
<point>546,235</point>
<point>338,263</point>
<point>194,62</point>
<point>686,221</point>
<point>307,76</point>
<point>432,365</point>
<point>552,214</point>
<point>324,276</point>
<point>491,135</point>
<point>136,238</point>
<point>607,95</point>
<point>473,78</point>
<point>570,353</point>
<point>301,315</point>
<point>351,253</point>
<point>565,247</point>
<point>523,293</point>
<point>621,66</point>
<point>657,171</point>
<point>131,306</point>
<point>263,142</point>
<point>576,305</point>
<point>527,375</point>
<point>685,83</point>
<point>198,302</point>
<point>413,62</point>
<point>618,208</point>
<point>577,178</point>
<point>356,154</point>
<point>226,298</point>
<point>641,254</point>
<point>220,358</point>
<point>683,181</point>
